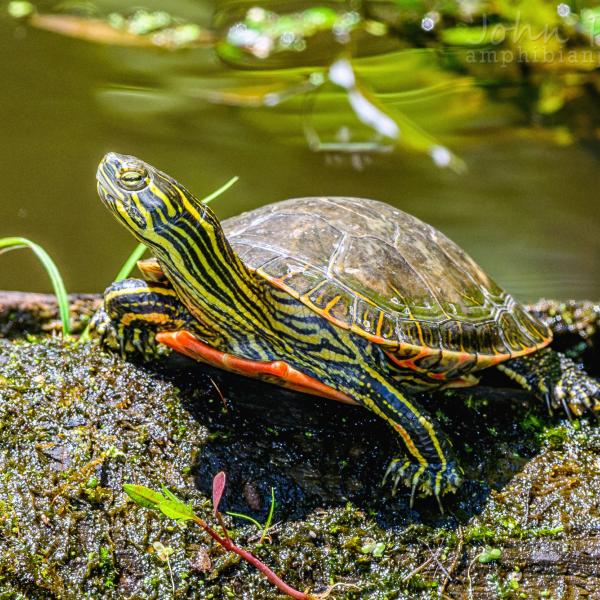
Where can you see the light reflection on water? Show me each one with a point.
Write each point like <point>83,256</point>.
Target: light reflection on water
<point>527,210</point>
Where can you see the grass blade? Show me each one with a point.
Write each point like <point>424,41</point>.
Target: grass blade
<point>130,263</point>
<point>13,243</point>
<point>246,518</point>
<point>221,190</point>
<point>269,520</point>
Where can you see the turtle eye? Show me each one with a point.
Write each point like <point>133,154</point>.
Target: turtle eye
<point>133,180</point>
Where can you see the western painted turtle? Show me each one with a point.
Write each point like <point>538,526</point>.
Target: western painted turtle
<point>346,298</point>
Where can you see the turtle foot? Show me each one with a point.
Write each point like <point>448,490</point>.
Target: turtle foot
<point>558,380</point>
<point>573,389</point>
<point>124,339</point>
<point>424,480</point>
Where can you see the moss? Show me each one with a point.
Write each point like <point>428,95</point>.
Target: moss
<point>77,424</point>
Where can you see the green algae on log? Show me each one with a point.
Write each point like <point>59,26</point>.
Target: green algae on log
<point>76,424</point>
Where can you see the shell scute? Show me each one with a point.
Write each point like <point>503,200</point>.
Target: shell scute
<point>469,337</point>
<point>514,337</point>
<point>288,273</point>
<point>255,256</point>
<point>333,300</point>
<point>283,268</point>
<point>372,321</point>
<point>293,235</point>
<point>395,287</point>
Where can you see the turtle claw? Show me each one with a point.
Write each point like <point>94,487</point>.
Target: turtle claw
<point>424,480</point>
<point>414,489</point>
<point>574,390</point>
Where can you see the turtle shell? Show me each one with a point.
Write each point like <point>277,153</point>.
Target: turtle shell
<point>384,274</point>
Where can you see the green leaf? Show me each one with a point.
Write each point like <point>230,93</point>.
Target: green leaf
<point>170,506</point>
<point>144,496</point>
<point>169,494</point>
<point>590,21</point>
<point>177,510</point>
<point>19,9</point>
<point>489,555</point>
<point>471,36</point>
<point>367,548</point>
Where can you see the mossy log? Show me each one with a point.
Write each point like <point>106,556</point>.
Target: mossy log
<point>24,312</point>
<point>76,424</point>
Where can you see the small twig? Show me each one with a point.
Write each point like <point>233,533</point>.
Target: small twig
<point>435,558</point>
<point>452,568</point>
<point>418,569</point>
<point>469,573</point>
<point>171,575</point>
<point>219,392</point>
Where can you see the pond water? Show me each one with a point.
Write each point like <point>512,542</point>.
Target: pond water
<point>527,209</point>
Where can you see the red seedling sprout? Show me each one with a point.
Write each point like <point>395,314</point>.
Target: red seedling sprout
<point>174,508</point>
<point>218,489</point>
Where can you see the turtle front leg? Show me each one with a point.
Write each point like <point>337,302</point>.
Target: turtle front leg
<point>133,312</point>
<point>557,379</point>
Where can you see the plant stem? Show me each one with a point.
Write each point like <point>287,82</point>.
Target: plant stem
<point>269,520</point>
<point>171,576</point>
<point>255,562</point>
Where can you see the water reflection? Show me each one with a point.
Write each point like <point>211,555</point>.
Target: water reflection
<point>526,210</point>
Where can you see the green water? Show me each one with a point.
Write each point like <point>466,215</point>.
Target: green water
<point>527,209</point>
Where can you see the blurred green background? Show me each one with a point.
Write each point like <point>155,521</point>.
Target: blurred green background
<point>527,208</point>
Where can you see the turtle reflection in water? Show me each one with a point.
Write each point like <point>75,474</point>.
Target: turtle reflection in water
<point>346,298</point>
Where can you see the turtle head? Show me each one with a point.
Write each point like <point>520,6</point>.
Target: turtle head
<point>185,236</point>
<point>149,202</point>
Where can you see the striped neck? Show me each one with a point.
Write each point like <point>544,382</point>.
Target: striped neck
<point>211,280</point>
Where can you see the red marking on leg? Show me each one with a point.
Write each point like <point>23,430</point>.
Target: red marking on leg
<point>277,371</point>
